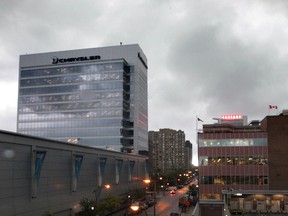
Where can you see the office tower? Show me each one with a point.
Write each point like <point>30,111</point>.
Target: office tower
<point>95,97</point>
<point>167,150</point>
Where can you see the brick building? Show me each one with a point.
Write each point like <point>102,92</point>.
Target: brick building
<point>244,164</point>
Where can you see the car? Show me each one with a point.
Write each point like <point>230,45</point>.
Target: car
<point>135,208</point>
<point>143,205</point>
<point>150,202</point>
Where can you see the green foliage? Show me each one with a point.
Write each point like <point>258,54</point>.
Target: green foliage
<point>87,205</point>
<point>110,203</point>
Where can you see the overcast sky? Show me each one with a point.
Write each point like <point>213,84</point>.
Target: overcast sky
<point>206,58</point>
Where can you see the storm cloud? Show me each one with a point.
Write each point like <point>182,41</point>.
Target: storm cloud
<point>206,58</point>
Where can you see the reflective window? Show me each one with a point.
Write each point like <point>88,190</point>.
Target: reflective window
<point>89,102</point>
<point>93,69</point>
<point>234,180</point>
<point>84,78</point>
<point>233,160</point>
<point>232,142</point>
<point>84,95</point>
<point>71,88</point>
<point>71,106</point>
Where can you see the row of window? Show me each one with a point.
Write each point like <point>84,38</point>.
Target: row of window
<point>86,95</point>
<point>72,124</point>
<point>72,79</point>
<point>92,69</point>
<point>71,88</point>
<point>236,160</point>
<point>71,106</point>
<point>70,115</point>
<point>232,142</point>
<point>234,180</point>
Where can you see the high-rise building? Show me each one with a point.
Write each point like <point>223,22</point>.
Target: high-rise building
<point>95,97</point>
<point>188,154</point>
<point>167,150</point>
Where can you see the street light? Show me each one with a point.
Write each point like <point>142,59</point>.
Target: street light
<point>97,193</point>
<point>147,181</point>
<point>107,186</point>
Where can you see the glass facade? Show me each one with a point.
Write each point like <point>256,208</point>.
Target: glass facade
<point>233,142</point>
<point>233,160</point>
<point>234,180</point>
<point>93,102</point>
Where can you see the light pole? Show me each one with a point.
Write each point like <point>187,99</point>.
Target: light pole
<point>147,181</point>
<point>97,193</point>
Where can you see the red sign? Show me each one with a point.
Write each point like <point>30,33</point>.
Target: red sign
<point>232,117</point>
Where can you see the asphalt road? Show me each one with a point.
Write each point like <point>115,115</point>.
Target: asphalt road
<point>166,204</point>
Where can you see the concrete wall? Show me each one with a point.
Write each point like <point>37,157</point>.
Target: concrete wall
<point>57,189</point>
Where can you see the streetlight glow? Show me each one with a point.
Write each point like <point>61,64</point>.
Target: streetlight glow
<point>107,186</point>
<point>147,181</point>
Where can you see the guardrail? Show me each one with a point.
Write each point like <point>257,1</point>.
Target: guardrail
<point>196,210</point>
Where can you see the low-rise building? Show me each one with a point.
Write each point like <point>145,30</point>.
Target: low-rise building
<point>244,165</point>
<point>41,175</point>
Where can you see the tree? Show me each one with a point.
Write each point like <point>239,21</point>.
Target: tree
<point>88,207</point>
<point>110,203</point>
<point>91,208</point>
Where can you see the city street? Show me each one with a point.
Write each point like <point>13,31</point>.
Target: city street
<point>166,204</point>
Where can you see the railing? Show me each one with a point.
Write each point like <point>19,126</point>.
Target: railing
<point>226,210</point>
<point>196,210</point>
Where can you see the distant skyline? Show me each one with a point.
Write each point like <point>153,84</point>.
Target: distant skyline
<point>206,58</point>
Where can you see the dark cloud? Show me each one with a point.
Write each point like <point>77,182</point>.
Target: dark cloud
<point>219,69</point>
<point>204,58</point>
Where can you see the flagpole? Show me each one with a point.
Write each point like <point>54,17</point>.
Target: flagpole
<point>197,146</point>
<point>197,138</point>
<point>196,123</point>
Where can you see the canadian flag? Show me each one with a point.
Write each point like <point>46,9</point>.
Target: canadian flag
<point>273,107</point>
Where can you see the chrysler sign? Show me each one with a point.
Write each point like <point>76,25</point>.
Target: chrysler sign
<point>56,60</point>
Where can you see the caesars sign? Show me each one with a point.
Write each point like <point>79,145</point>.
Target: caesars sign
<point>56,60</point>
